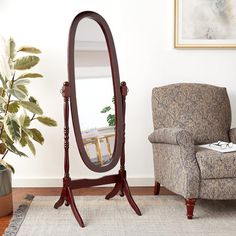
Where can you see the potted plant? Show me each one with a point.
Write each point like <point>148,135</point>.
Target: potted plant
<point>18,111</point>
<point>111,117</point>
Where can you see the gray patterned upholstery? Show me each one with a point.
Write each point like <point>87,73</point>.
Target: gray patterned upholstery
<point>203,110</point>
<point>184,116</point>
<point>218,189</point>
<point>232,135</point>
<point>216,165</point>
<point>171,136</point>
<point>176,169</point>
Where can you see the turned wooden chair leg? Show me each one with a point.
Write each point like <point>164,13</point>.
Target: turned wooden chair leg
<point>157,188</point>
<point>190,203</point>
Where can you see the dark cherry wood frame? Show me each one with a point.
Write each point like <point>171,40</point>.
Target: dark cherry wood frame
<point>116,85</point>
<point>69,95</point>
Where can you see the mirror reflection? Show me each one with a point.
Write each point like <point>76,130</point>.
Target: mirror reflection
<point>94,92</point>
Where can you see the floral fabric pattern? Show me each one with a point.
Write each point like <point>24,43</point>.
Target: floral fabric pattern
<point>185,115</point>
<point>218,189</point>
<point>215,165</point>
<point>232,135</point>
<point>176,169</point>
<point>203,110</point>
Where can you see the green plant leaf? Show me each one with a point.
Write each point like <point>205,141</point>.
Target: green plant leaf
<point>33,100</point>
<point>2,167</point>
<point>12,127</point>
<point>106,109</point>
<point>13,107</point>
<point>7,165</point>
<point>22,88</point>
<point>29,49</point>
<point>2,100</point>
<point>3,81</point>
<point>37,136</point>
<point>30,145</point>
<point>27,131</point>
<point>23,139</point>
<point>21,82</point>
<point>11,48</point>
<point>24,121</point>
<point>47,121</point>
<point>111,119</point>
<point>2,92</point>
<point>10,167</point>
<point>27,62</point>
<point>19,94</point>
<point>30,75</point>
<point>32,107</point>
<point>1,109</point>
<point>13,149</point>
<point>5,137</point>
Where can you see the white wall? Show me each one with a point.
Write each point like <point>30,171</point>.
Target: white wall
<point>143,35</point>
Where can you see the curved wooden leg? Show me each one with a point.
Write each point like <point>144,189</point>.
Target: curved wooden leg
<point>122,192</point>
<point>67,200</point>
<point>190,203</point>
<point>130,199</point>
<point>114,191</point>
<point>59,202</point>
<point>157,188</point>
<point>61,199</point>
<point>74,208</point>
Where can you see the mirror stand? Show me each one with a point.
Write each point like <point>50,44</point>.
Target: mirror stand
<point>121,184</point>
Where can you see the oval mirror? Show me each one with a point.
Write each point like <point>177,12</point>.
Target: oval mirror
<point>96,104</point>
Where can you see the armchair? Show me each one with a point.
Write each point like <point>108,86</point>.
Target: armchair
<point>186,115</point>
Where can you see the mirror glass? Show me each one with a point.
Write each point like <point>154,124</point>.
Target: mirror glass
<point>94,92</point>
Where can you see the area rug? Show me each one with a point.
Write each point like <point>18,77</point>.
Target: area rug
<point>161,216</point>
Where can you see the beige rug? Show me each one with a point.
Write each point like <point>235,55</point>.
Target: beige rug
<point>162,216</point>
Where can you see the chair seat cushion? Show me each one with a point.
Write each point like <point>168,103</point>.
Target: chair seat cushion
<point>215,164</point>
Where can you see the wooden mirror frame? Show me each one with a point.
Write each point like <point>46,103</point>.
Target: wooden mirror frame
<point>120,92</point>
<point>116,88</point>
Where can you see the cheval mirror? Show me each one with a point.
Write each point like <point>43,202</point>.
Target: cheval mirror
<point>96,99</point>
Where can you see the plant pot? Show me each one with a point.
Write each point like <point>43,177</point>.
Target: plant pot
<point>6,204</point>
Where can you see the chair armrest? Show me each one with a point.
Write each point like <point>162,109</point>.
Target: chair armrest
<point>171,136</point>
<point>180,172</point>
<point>232,135</point>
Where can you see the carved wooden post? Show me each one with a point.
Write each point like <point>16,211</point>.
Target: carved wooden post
<point>124,184</point>
<point>66,95</point>
<point>122,172</point>
<point>66,194</point>
<point>66,179</point>
<point>124,91</point>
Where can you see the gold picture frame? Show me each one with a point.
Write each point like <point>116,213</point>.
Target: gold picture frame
<point>205,24</point>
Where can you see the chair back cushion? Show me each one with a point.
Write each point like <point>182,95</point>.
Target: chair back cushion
<point>202,109</point>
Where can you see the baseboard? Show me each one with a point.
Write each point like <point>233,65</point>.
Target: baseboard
<point>56,182</point>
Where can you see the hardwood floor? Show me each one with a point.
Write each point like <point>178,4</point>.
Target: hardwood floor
<point>19,194</point>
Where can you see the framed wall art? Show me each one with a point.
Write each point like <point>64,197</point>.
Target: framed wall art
<point>205,24</point>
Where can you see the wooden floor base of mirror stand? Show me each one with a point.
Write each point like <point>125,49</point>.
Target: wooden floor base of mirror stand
<point>119,179</point>
<point>121,186</point>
